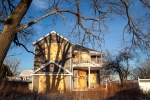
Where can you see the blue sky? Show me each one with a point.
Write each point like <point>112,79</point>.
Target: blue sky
<point>112,38</point>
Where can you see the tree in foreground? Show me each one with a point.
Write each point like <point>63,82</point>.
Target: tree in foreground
<point>15,20</point>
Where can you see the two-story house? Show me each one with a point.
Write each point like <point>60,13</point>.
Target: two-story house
<point>60,64</point>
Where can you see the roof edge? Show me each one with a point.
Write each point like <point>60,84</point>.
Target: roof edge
<point>49,34</point>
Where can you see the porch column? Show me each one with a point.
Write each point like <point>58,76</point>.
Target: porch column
<point>99,76</point>
<point>96,60</point>
<point>89,77</point>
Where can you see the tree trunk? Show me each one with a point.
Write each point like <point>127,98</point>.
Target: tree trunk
<point>10,27</point>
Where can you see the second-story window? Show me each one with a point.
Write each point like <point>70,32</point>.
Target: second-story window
<point>54,51</point>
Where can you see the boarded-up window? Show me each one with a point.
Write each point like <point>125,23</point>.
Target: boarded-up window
<point>53,51</point>
<point>94,77</point>
<point>82,79</point>
<point>82,57</point>
<point>55,82</point>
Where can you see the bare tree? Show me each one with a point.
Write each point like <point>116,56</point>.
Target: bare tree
<point>142,70</point>
<point>14,25</point>
<point>9,67</point>
<point>120,65</point>
<point>13,64</point>
<point>5,71</point>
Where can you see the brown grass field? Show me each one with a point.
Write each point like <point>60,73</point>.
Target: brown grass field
<point>19,91</point>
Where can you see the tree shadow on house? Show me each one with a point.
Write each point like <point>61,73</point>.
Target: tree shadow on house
<point>57,50</point>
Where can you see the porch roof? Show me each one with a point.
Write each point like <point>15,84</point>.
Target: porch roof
<point>93,66</point>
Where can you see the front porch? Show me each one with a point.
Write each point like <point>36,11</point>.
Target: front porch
<point>86,77</point>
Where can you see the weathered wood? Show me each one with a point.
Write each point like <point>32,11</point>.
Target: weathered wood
<point>42,84</point>
<point>35,83</point>
<point>55,48</point>
<point>51,83</point>
<point>54,51</point>
<point>82,79</point>
<point>93,77</point>
<point>82,57</point>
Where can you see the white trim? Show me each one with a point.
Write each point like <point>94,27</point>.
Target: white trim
<point>24,75</point>
<point>89,77</point>
<point>49,34</point>
<point>44,65</point>
<point>49,62</point>
<point>95,52</point>
<point>88,64</point>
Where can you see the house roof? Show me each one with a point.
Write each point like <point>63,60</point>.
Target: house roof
<point>52,32</point>
<point>77,47</point>
<point>91,51</point>
<point>26,73</point>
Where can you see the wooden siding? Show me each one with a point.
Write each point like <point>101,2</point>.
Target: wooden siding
<point>35,83</point>
<point>75,79</point>
<point>51,83</point>
<point>54,51</point>
<point>55,48</point>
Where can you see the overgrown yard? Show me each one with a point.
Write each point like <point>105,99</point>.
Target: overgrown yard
<point>130,91</point>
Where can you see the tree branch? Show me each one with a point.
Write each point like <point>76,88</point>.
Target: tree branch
<point>2,21</point>
<point>35,21</point>
<point>16,41</point>
<point>52,13</point>
<point>145,3</point>
<point>20,44</point>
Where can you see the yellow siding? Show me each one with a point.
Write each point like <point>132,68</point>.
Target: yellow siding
<point>54,80</point>
<point>42,84</point>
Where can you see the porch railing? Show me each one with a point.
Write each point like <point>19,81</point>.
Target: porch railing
<point>92,60</point>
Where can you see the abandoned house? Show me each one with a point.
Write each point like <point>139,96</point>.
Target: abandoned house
<point>60,64</point>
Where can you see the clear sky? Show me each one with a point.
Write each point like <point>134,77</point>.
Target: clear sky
<point>112,38</point>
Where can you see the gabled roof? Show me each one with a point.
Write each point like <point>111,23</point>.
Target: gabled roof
<point>49,62</point>
<point>26,73</point>
<point>52,32</point>
<point>77,47</point>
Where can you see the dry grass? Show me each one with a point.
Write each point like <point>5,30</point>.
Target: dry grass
<point>114,92</point>
<point>13,89</point>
